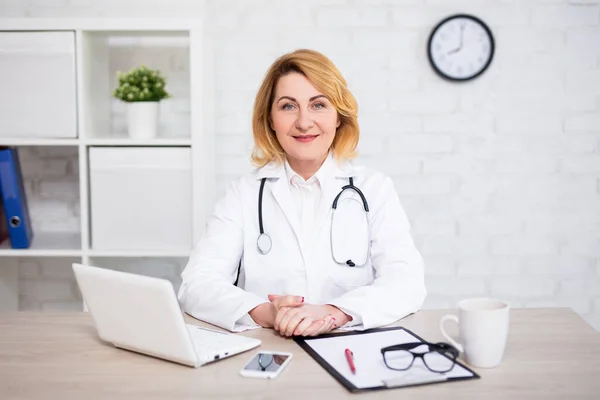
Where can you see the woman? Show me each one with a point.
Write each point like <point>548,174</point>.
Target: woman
<point>312,273</point>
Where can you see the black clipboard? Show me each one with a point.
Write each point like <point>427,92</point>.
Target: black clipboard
<point>302,342</point>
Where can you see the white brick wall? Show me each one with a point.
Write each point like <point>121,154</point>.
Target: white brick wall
<point>52,186</point>
<point>500,176</point>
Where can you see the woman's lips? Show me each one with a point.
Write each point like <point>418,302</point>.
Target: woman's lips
<point>306,138</point>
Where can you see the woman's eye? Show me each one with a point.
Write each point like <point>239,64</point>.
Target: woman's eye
<point>319,106</point>
<point>287,106</point>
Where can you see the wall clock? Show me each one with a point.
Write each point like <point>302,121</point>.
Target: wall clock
<point>460,47</point>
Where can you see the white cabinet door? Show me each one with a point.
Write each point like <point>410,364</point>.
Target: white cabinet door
<point>37,81</point>
<point>141,198</point>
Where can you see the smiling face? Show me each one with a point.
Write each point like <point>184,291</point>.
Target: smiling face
<point>304,121</point>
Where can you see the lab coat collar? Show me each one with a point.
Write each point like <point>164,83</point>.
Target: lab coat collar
<point>338,169</point>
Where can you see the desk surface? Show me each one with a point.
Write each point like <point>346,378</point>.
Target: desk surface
<point>551,353</point>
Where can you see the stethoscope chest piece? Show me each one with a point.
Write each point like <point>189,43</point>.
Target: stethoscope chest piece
<point>264,243</point>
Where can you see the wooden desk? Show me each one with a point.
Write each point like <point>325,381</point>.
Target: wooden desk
<point>551,353</point>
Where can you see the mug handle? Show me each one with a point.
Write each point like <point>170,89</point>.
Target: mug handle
<point>452,341</point>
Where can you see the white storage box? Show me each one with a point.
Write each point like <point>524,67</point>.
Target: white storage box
<point>141,198</point>
<point>37,95</point>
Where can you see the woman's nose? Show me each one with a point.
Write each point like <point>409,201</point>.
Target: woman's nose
<point>304,121</point>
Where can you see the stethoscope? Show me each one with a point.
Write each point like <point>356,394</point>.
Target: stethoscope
<point>264,242</point>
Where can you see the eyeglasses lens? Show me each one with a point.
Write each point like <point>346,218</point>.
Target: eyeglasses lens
<point>438,362</point>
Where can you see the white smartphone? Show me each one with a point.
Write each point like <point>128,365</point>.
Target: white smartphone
<point>266,364</point>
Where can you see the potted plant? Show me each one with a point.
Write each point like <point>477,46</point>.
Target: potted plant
<point>142,89</point>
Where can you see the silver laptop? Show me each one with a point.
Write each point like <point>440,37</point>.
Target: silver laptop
<point>142,314</point>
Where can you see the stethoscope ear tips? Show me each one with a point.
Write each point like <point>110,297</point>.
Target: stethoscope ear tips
<point>350,263</point>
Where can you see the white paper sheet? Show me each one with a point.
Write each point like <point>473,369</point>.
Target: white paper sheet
<point>371,371</point>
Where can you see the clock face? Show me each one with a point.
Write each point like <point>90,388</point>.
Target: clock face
<point>461,47</point>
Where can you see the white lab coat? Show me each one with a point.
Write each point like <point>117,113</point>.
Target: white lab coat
<point>389,287</point>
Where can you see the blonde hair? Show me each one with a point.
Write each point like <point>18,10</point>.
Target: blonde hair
<point>325,76</point>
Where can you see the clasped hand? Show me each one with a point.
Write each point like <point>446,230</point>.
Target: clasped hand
<point>294,317</point>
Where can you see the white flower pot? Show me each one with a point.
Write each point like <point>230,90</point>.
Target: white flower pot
<point>142,119</point>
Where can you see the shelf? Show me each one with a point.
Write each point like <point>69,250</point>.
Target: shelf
<point>105,53</point>
<point>140,253</point>
<point>37,142</point>
<point>113,142</point>
<point>100,24</point>
<point>47,244</point>
<point>163,142</point>
<point>57,173</point>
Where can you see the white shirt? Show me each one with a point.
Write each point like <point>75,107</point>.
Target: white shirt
<point>307,195</point>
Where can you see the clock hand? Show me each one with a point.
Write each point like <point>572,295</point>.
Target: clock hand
<point>462,28</point>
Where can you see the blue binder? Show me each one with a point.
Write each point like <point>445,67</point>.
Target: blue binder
<point>3,224</point>
<point>12,194</point>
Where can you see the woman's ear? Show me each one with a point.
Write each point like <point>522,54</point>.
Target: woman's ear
<point>270,123</point>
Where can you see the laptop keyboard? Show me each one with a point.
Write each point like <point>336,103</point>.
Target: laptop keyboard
<point>210,343</point>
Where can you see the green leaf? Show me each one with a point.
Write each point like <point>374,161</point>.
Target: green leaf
<point>141,84</point>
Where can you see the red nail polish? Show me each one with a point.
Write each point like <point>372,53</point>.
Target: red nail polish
<point>302,299</point>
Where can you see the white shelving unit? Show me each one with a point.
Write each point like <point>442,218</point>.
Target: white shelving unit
<point>95,41</point>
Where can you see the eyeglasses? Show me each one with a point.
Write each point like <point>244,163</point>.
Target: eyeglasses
<point>437,357</point>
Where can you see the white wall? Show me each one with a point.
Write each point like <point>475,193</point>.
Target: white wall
<point>500,177</point>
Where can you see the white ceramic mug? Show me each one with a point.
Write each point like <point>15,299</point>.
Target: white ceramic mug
<point>483,330</point>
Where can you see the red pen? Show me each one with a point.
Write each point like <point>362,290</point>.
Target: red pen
<point>350,359</point>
